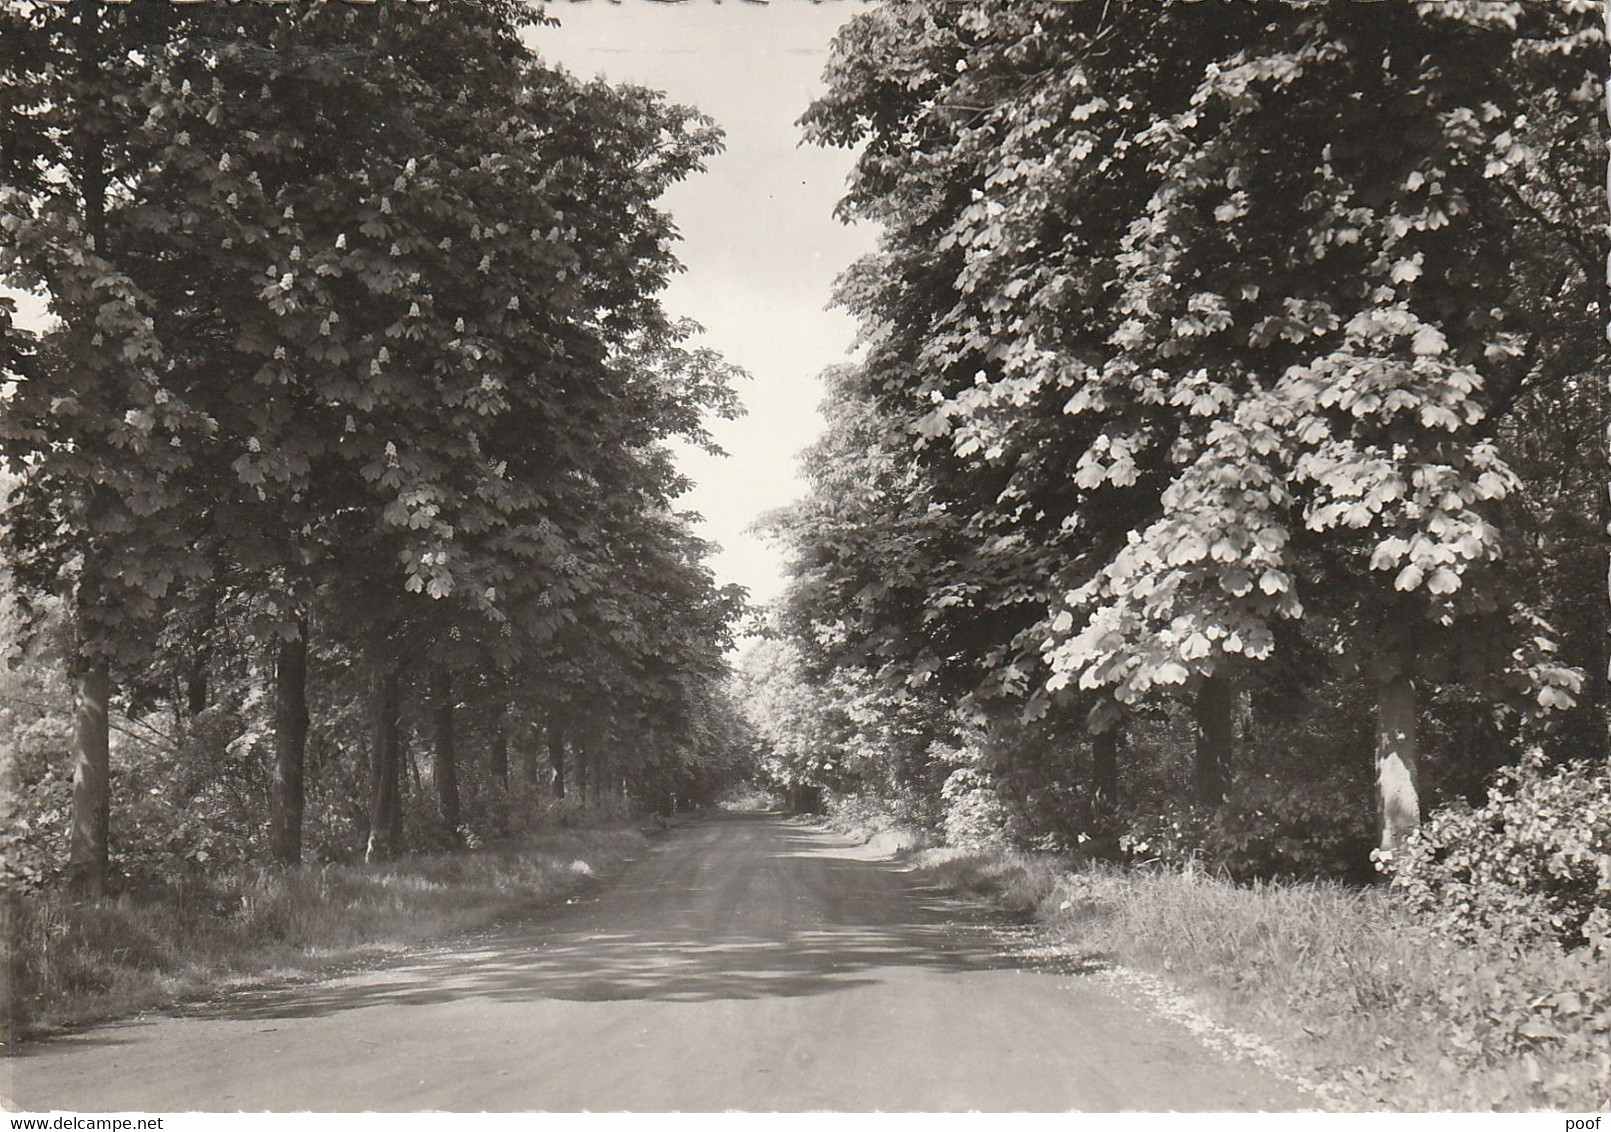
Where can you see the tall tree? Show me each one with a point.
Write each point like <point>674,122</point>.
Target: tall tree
<point>1164,317</point>
<point>290,741</point>
<point>385,293</point>
<point>92,424</point>
<point>445,770</point>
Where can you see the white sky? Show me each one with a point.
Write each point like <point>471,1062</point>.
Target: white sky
<point>759,239</point>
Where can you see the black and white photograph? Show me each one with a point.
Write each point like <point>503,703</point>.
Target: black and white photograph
<point>766,557</point>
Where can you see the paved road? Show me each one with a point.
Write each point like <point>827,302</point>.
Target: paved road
<point>743,963</point>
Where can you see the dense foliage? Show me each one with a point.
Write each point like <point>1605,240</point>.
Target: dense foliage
<point>347,434</point>
<point>1531,864</point>
<point>1215,444</point>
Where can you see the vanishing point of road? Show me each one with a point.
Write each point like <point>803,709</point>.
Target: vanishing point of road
<point>742,962</point>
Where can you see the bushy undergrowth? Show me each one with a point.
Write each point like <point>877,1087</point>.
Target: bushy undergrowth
<point>150,946</point>
<point>1530,866</point>
<point>748,798</point>
<point>867,815</point>
<point>1354,989</point>
<point>974,813</point>
<point>1265,831</point>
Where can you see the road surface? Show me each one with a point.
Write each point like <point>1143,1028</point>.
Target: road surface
<point>743,962</point>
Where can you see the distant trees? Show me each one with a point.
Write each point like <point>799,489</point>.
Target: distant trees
<point>356,357</point>
<point>1208,343</point>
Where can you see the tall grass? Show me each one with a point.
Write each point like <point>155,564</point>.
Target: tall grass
<point>78,962</point>
<point>1356,994</point>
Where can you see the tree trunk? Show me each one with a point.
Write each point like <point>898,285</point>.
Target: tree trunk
<point>1105,770</point>
<point>385,813</point>
<point>201,659</point>
<point>87,859</point>
<point>290,748</point>
<point>556,759</point>
<point>196,683</point>
<point>12,999</point>
<point>1397,791</point>
<point>499,759</point>
<point>1212,712</point>
<point>1105,791</point>
<point>1598,686</point>
<point>88,855</point>
<point>528,759</point>
<point>446,769</point>
<point>411,763</point>
<point>580,754</point>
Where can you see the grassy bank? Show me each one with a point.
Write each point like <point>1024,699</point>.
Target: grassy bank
<point>77,963</point>
<point>1357,997</point>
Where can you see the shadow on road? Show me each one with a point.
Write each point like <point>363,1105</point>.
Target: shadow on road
<point>739,907</point>
<point>789,918</point>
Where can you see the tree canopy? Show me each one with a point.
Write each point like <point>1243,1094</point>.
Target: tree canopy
<point>1207,343</point>
<point>356,344</point>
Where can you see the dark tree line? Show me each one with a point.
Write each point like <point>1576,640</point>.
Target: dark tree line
<point>352,417</point>
<point>1228,442</point>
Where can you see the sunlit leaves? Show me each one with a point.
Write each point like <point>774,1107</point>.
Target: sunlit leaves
<point>1180,322</point>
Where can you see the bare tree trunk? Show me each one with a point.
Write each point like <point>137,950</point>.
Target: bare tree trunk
<point>499,759</point>
<point>290,748</point>
<point>556,759</point>
<point>385,814</point>
<point>1597,700</point>
<point>88,856</point>
<point>1212,713</point>
<point>1105,790</point>
<point>201,658</point>
<point>1105,770</point>
<point>12,999</point>
<point>411,763</point>
<point>1397,772</point>
<point>528,759</point>
<point>446,769</point>
<point>196,682</point>
<point>579,752</point>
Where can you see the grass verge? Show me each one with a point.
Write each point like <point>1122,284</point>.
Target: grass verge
<point>78,963</point>
<point>1360,999</point>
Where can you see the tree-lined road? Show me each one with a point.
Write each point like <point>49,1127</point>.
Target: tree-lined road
<point>743,962</point>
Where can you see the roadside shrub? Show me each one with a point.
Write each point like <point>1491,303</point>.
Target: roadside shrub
<point>1342,983</point>
<point>1270,830</point>
<point>1264,832</point>
<point>1543,1012</point>
<point>867,815</point>
<point>79,960</point>
<point>1532,864</point>
<point>1175,838</point>
<point>974,815</point>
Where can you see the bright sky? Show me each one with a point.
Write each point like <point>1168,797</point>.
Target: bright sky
<point>759,239</point>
